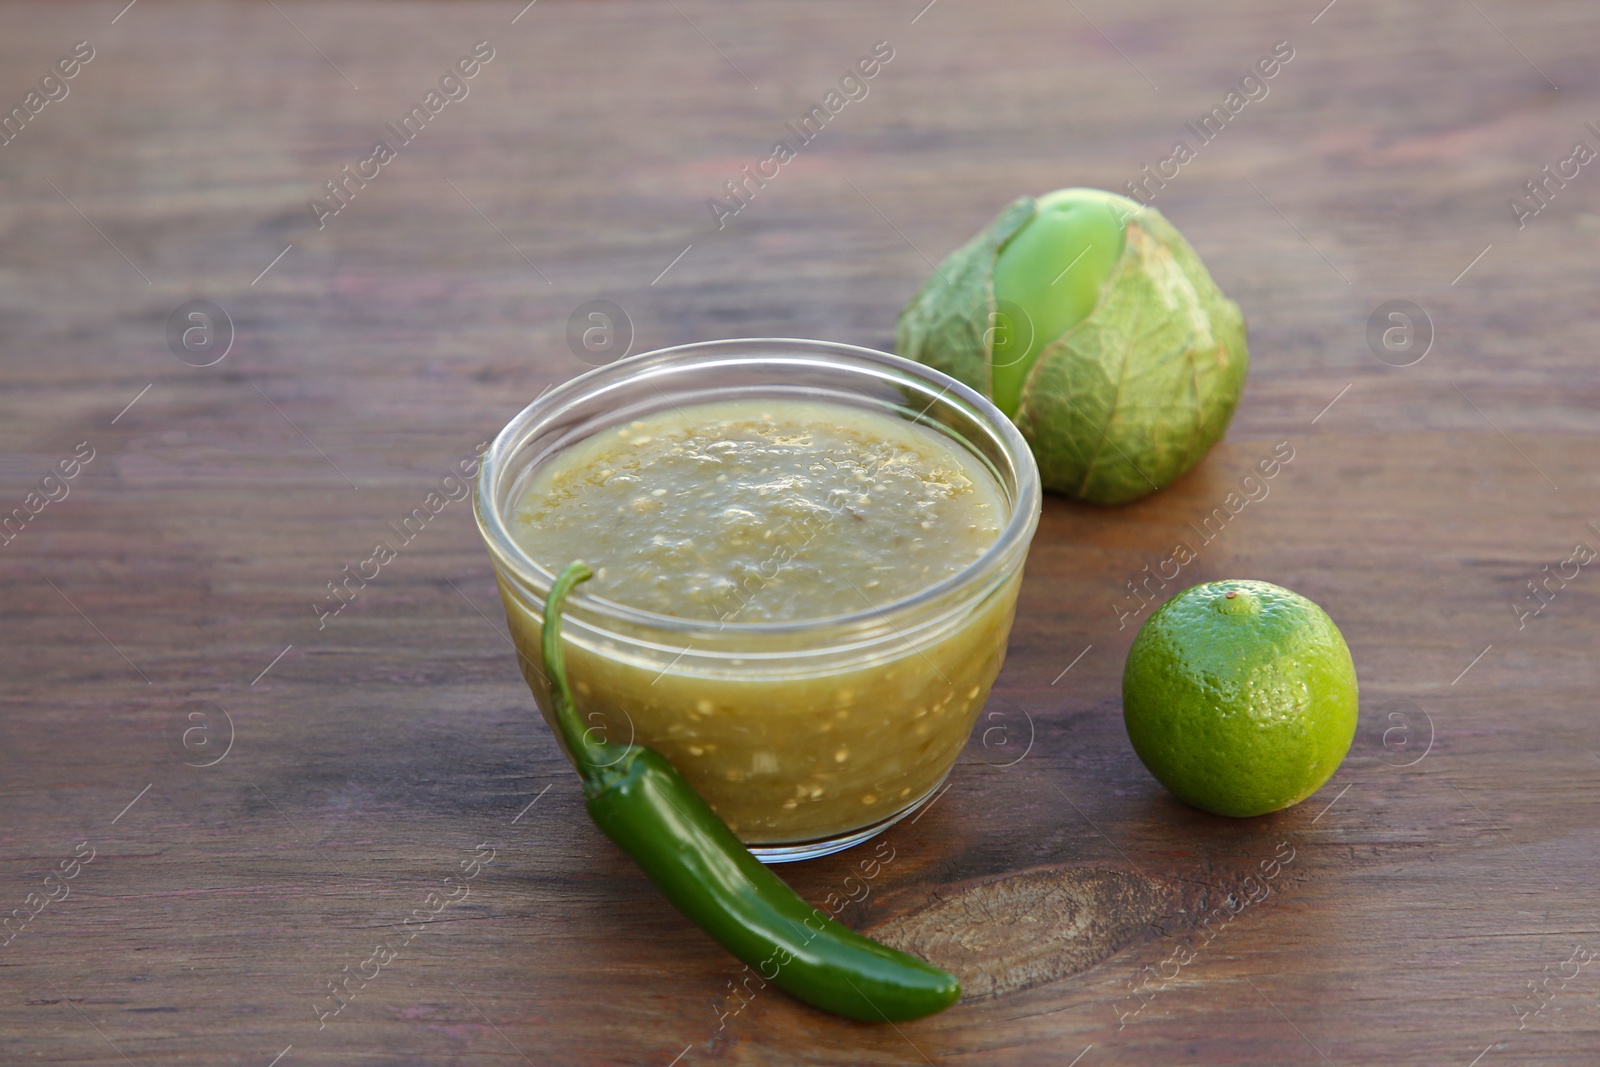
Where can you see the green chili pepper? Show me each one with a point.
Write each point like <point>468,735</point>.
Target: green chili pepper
<point>649,809</point>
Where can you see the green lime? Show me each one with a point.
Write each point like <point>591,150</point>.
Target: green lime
<point>1240,697</point>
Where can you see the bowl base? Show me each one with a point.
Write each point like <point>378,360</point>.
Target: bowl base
<point>827,846</point>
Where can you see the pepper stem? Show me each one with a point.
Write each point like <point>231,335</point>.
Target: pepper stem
<point>565,712</point>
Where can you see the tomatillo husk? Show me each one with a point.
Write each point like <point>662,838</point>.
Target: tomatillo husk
<point>1089,321</point>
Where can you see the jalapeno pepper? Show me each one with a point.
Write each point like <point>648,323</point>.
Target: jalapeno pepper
<point>643,804</point>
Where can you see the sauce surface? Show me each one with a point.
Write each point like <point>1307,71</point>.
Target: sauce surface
<point>762,510</point>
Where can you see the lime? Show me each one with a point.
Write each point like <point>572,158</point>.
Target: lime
<point>1240,697</point>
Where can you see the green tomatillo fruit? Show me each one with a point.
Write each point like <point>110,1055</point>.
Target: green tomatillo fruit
<point>1089,320</point>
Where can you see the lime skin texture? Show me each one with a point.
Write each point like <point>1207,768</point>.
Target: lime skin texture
<point>1240,697</point>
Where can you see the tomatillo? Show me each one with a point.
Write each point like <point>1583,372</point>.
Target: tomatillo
<point>1089,320</point>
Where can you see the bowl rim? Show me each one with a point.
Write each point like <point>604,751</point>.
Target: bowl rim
<point>516,564</point>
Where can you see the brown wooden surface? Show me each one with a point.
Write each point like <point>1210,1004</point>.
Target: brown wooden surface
<point>1452,862</point>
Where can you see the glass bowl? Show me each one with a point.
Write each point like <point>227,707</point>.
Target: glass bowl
<point>809,736</point>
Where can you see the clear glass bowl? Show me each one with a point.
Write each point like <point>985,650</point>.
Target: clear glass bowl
<point>898,687</point>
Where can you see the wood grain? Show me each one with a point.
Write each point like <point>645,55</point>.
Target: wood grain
<point>165,607</point>
<point>1030,927</point>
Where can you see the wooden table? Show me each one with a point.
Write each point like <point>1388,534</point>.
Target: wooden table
<point>267,797</point>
